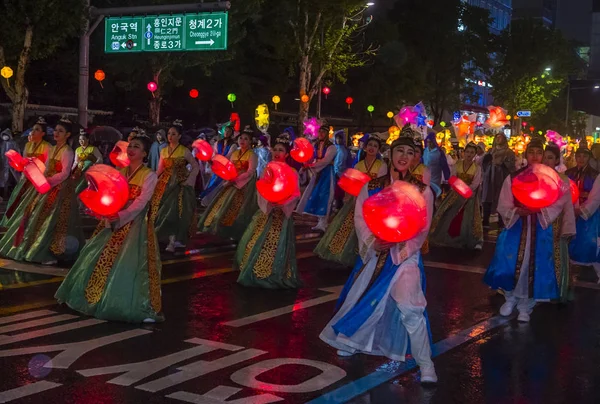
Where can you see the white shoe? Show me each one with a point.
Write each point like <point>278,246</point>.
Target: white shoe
<point>50,262</point>
<point>428,375</point>
<point>170,248</point>
<point>523,317</point>
<point>177,244</point>
<point>479,247</point>
<point>149,320</point>
<point>344,353</point>
<point>508,307</point>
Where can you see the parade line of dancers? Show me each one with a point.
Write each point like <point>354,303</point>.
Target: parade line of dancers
<point>116,274</point>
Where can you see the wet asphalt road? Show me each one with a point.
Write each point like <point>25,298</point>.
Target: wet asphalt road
<point>225,343</point>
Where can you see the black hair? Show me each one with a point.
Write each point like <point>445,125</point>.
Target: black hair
<point>43,124</point>
<point>364,149</point>
<point>146,142</point>
<point>285,144</point>
<point>472,146</point>
<point>554,149</point>
<point>68,125</point>
<point>178,126</point>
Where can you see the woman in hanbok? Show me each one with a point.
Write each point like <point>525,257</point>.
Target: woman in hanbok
<point>174,193</point>
<point>382,306</point>
<point>224,147</point>
<point>86,156</point>
<point>525,264</point>
<point>497,165</point>
<point>117,275</point>
<point>232,208</point>
<point>457,222</point>
<point>157,146</point>
<point>339,243</point>
<point>583,249</point>
<point>24,191</point>
<point>49,228</point>
<point>567,218</point>
<point>266,253</point>
<point>318,195</point>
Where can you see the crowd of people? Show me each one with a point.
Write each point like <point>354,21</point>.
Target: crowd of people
<point>382,309</point>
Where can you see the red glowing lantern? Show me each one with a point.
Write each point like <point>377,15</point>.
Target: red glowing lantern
<point>531,128</point>
<point>194,93</point>
<point>303,151</point>
<point>223,168</point>
<point>460,187</point>
<point>118,155</point>
<point>15,160</point>
<point>107,191</point>
<point>152,87</point>
<point>396,214</point>
<point>326,91</point>
<point>278,183</point>
<point>574,192</point>
<point>34,172</point>
<point>204,150</point>
<point>349,101</point>
<point>537,187</point>
<point>352,181</point>
<point>235,121</point>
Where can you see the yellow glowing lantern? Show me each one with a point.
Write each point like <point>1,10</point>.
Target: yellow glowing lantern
<point>6,72</point>
<point>261,117</point>
<point>356,138</point>
<point>394,133</point>
<point>390,114</point>
<point>276,100</point>
<point>331,132</point>
<point>508,117</point>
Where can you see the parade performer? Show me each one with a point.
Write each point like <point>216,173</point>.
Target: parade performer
<point>263,154</point>
<point>525,265</point>
<point>566,282</point>
<point>435,159</point>
<point>49,227</point>
<point>340,164</point>
<point>156,148</point>
<point>583,249</point>
<point>457,223</point>
<point>117,275</point>
<point>24,191</point>
<point>319,193</point>
<point>175,220</point>
<point>382,305</point>
<point>232,208</point>
<point>86,156</point>
<point>266,253</point>
<point>497,165</point>
<point>339,243</point>
<point>224,147</point>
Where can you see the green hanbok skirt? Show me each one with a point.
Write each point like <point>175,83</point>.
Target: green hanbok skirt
<point>231,211</point>
<point>117,275</point>
<point>176,211</point>
<point>457,223</point>
<point>19,198</point>
<point>340,243</point>
<point>49,228</point>
<point>79,177</point>
<point>266,254</point>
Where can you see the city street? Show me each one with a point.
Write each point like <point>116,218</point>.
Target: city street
<point>222,342</point>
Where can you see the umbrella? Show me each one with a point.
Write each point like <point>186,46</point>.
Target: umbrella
<point>105,134</point>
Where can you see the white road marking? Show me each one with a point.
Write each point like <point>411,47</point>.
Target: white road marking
<point>4,340</point>
<point>27,390</point>
<point>36,323</point>
<point>334,294</point>
<point>220,394</point>
<point>25,316</point>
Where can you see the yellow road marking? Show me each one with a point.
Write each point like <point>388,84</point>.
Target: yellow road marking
<point>32,283</point>
<point>30,306</point>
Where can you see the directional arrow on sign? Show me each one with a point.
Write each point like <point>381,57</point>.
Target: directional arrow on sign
<point>210,43</point>
<point>149,33</point>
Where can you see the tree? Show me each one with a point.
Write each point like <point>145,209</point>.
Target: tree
<point>533,67</point>
<point>327,41</point>
<point>33,30</point>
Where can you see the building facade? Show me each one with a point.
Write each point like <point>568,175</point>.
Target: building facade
<point>544,10</point>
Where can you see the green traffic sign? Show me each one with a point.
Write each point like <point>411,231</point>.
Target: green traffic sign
<point>166,33</point>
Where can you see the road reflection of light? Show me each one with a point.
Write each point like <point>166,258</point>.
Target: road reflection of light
<point>476,331</point>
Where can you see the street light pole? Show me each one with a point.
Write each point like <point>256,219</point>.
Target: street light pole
<point>568,105</point>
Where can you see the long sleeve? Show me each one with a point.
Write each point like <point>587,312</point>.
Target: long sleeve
<point>325,161</point>
<point>477,179</point>
<point>98,156</point>
<point>506,204</point>
<point>401,251</point>
<point>66,160</point>
<point>568,222</point>
<point>233,148</point>
<point>129,213</point>
<point>549,214</point>
<point>191,179</point>
<point>161,166</point>
<point>444,165</point>
<point>383,170</point>
<point>75,161</point>
<point>589,207</point>
<point>243,178</point>
<point>366,239</point>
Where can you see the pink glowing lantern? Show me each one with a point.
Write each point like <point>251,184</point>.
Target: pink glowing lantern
<point>223,168</point>
<point>15,160</point>
<point>302,151</point>
<point>152,87</point>
<point>407,115</point>
<point>352,181</point>
<point>118,155</point>
<point>556,138</point>
<point>460,187</point>
<point>396,214</point>
<point>574,191</point>
<point>537,187</point>
<point>203,150</point>
<point>34,172</point>
<point>278,183</point>
<point>107,191</point>
<point>311,127</point>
